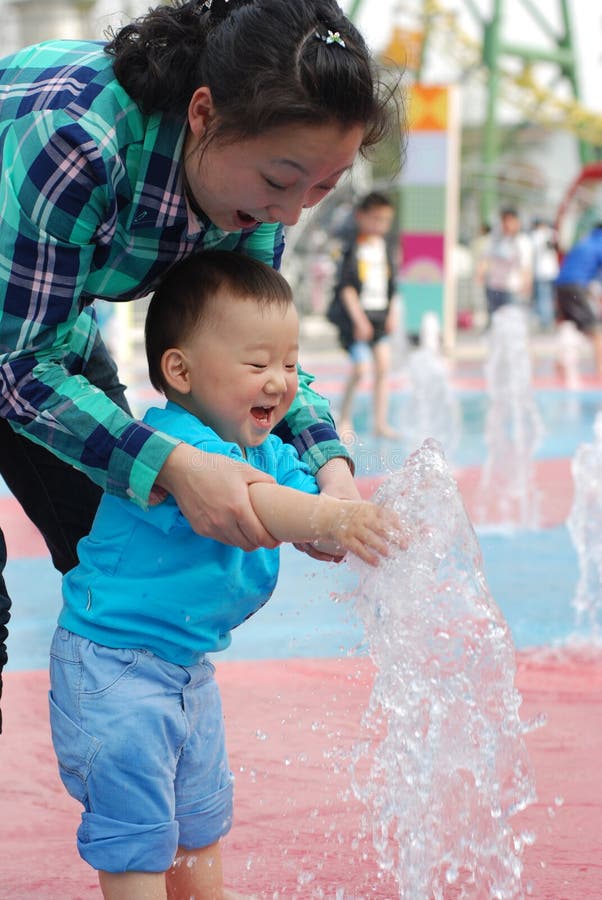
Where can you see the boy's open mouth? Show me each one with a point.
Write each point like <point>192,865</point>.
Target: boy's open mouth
<point>262,414</point>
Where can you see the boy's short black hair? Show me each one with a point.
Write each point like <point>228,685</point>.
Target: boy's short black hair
<point>372,200</point>
<point>183,298</point>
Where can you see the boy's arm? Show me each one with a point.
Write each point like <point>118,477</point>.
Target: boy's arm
<point>333,525</point>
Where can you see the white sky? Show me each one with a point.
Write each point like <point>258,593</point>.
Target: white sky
<point>377,16</point>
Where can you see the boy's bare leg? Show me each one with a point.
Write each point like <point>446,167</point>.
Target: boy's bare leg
<point>596,338</point>
<point>344,423</point>
<point>199,874</point>
<point>195,873</point>
<point>382,368</point>
<point>133,885</point>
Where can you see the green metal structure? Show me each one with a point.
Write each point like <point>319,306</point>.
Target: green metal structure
<point>560,52</point>
<point>498,57</point>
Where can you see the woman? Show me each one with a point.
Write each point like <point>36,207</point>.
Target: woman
<point>199,125</point>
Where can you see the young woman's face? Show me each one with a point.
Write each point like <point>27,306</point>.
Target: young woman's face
<point>242,369</point>
<point>271,178</point>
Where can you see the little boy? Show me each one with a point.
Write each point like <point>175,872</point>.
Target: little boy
<point>135,711</point>
<point>364,310</point>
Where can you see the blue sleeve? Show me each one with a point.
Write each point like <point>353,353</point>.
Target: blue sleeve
<point>185,427</point>
<point>293,472</point>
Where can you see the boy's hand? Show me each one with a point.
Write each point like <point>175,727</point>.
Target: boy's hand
<point>336,480</point>
<point>367,530</point>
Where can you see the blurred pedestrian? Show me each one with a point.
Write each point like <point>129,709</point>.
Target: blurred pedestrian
<point>545,272</point>
<point>364,308</point>
<point>579,289</point>
<point>505,267</point>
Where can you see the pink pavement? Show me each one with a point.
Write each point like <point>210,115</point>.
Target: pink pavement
<point>553,479</point>
<point>291,725</point>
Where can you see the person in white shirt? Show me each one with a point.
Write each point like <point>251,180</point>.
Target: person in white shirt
<point>506,267</point>
<point>545,272</point>
<point>364,309</point>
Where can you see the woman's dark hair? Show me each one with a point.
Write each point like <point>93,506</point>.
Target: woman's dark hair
<point>267,63</point>
<point>184,297</point>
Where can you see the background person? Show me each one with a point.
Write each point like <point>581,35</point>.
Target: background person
<point>135,711</point>
<point>578,289</point>
<point>545,272</point>
<point>191,129</point>
<point>506,265</point>
<point>364,308</point>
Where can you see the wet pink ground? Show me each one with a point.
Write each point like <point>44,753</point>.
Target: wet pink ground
<point>290,725</point>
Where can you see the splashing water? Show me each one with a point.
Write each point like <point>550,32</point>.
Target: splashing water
<point>444,766</point>
<point>585,527</point>
<point>432,409</point>
<point>513,428</point>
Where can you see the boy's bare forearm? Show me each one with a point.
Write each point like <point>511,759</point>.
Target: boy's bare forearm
<point>291,515</point>
<point>332,525</point>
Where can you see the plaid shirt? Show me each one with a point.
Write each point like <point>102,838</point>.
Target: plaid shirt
<point>92,205</point>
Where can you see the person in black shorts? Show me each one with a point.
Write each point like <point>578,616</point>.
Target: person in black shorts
<point>578,289</point>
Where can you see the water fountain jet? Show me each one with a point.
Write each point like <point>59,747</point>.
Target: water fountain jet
<point>442,766</point>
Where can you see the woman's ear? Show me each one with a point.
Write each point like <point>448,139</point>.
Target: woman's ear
<point>200,111</point>
<point>175,371</point>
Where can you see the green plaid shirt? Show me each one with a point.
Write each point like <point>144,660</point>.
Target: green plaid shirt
<point>92,205</point>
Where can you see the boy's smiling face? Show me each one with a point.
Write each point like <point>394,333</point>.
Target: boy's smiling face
<point>238,371</point>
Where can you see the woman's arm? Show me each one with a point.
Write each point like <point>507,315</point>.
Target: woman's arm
<point>212,492</point>
<point>46,396</point>
<point>334,525</point>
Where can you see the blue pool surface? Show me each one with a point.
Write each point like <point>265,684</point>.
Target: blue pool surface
<point>531,576</point>
<point>567,418</point>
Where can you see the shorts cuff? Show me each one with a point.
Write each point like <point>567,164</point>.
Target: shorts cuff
<point>201,830</point>
<point>114,846</point>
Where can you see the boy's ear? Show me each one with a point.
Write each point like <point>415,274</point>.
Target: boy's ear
<point>200,111</point>
<point>174,368</point>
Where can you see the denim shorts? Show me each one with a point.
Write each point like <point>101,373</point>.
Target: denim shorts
<point>140,743</point>
<point>361,351</point>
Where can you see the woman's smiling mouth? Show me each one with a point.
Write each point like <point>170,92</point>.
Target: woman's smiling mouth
<point>245,220</point>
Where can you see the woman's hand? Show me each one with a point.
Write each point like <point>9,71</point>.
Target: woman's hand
<point>335,479</point>
<point>212,491</point>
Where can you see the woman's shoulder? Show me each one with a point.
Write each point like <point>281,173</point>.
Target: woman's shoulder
<point>72,81</point>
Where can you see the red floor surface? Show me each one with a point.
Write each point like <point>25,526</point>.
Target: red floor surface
<point>553,479</point>
<point>290,726</point>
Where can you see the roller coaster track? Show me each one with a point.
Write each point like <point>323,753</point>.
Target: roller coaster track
<point>537,102</point>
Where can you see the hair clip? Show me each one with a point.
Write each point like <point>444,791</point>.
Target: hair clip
<point>333,37</point>
<point>208,4</point>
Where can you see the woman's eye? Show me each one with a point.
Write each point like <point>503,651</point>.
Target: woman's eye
<point>272,184</point>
